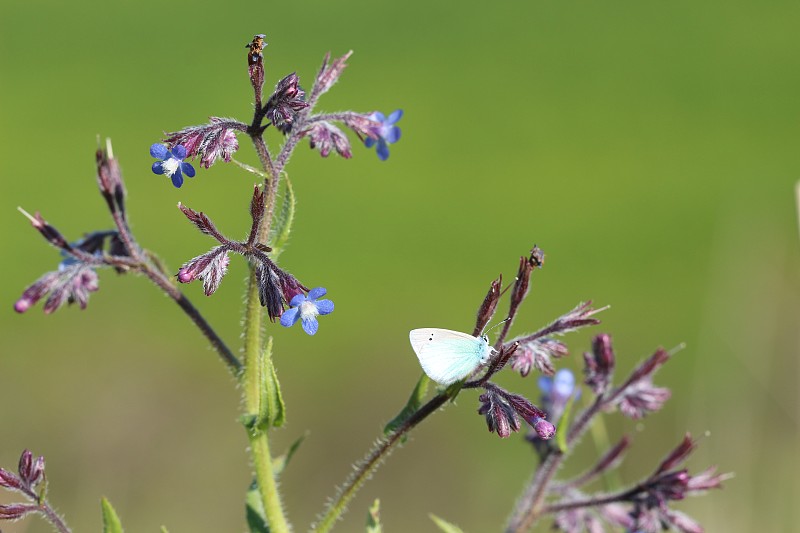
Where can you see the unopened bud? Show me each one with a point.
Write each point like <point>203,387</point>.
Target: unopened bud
<point>489,305</point>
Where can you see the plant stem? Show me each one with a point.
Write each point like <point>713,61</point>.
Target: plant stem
<point>251,379</point>
<point>372,461</point>
<point>530,505</point>
<point>53,518</point>
<point>233,363</point>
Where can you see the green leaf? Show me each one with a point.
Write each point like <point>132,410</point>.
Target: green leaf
<point>411,407</point>
<point>374,518</point>
<point>444,525</point>
<point>279,463</point>
<point>164,529</point>
<point>282,226</point>
<point>111,523</point>
<point>273,410</point>
<point>254,510</point>
<point>561,435</point>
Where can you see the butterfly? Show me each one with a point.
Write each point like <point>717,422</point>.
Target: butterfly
<point>448,356</point>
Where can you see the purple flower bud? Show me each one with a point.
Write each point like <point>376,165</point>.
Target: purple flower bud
<point>682,522</point>
<point>329,73</point>
<point>285,102</point>
<point>37,471</point>
<point>268,291</point>
<point>50,233</point>
<point>212,141</point>
<point>544,429</point>
<point>290,287</point>
<point>599,364</point>
<point>9,480</point>
<point>526,266</point>
<point>707,479</point>
<point>109,179</point>
<point>211,267</point>
<point>363,125</point>
<point>678,454</point>
<point>538,355</point>
<point>616,514</point>
<point>202,222</point>
<point>500,417</point>
<point>489,305</point>
<point>36,291</point>
<point>15,511</point>
<point>642,398</point>
<point>324,137</point>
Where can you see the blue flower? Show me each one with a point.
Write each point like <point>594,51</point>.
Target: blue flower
<point>306,308</point>
<point>388,133</point>
<point>557,391</point>
<point>172,163</point>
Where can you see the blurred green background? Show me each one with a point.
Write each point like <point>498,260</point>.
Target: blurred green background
<point>649,148</point>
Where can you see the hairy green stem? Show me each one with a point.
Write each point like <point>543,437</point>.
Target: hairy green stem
<point>259,439</point>
<point>372,461</point>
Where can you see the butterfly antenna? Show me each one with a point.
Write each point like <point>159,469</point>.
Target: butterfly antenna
<point>491,328</point>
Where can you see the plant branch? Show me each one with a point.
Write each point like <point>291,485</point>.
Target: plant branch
<point>373,459</point>
<point>530,505</point>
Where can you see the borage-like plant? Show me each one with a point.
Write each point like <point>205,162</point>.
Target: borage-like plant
<point>275,294</point>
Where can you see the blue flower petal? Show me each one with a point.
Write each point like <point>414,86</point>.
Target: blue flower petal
<point>392,135</point>
<point>545,384</point>
<point>324,307</point>
<point>383,150</point>
<point>158,167</point>
<point>177,179</point>
<point>297,300</point>
<point>315,293</point>
<point>188,169</point>
<point>377,116</point>
<point>369,142</point>
<point>395,116</point>
<point>289,317</point>
<point>310,325</point>
<point>564,383</point>
<point>159,151</point>
<point>179,151</point>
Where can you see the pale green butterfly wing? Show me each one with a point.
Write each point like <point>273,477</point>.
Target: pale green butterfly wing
<point>447,356</point>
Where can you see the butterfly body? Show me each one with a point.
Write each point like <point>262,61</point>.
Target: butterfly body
<point>448,356</point>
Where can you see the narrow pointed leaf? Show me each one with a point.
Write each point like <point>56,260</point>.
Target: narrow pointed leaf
<point>273,410</point>
<point>111,523</point>
<point>563,429</point>
<point>280,462</point>
<point>444,525</point>
<point>254,510</point>
<point>282,227</point>
<point>413,403</point>
<point>374,518</point>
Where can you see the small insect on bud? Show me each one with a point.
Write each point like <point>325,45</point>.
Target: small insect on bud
<point>255,63</point>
